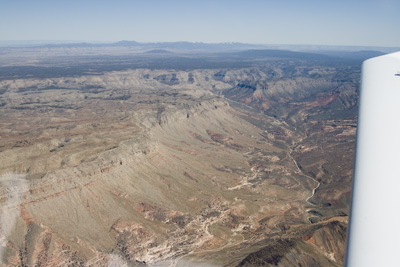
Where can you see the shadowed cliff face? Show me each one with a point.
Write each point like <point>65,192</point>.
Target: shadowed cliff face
<point>157,168</point>
<point>286,90</point>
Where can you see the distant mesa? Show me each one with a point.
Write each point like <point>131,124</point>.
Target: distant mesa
<point>274,53</point>
<point>159,51</point>
<point>125,43</point>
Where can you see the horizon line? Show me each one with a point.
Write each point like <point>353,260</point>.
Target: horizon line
<point>97,42</point>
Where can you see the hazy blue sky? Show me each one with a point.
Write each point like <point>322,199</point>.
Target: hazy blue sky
<point>330,22</point>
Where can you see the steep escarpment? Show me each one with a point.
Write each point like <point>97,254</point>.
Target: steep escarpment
<point>266,93</point>
<point>85,201</point>
<point>284,92</point>
<point>176,177</point>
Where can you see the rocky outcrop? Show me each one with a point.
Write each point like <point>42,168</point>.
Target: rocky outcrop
<point>320,245</point>
<point>167,79</point>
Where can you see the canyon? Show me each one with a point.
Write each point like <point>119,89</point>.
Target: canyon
<point>237,162</point>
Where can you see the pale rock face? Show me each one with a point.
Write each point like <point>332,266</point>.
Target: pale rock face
<point>15,186</point>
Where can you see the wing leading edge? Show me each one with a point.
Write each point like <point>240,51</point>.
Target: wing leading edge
<point>374,227</point>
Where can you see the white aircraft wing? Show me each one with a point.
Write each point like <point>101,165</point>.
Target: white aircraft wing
<point>374,227</point>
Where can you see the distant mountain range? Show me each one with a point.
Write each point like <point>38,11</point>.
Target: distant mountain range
<point>231,46</point>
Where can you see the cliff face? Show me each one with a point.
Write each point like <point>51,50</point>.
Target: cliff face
<point>155,167</point>
<point>284,91</point>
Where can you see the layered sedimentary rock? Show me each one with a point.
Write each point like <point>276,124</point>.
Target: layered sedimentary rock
<point>157,168</point>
